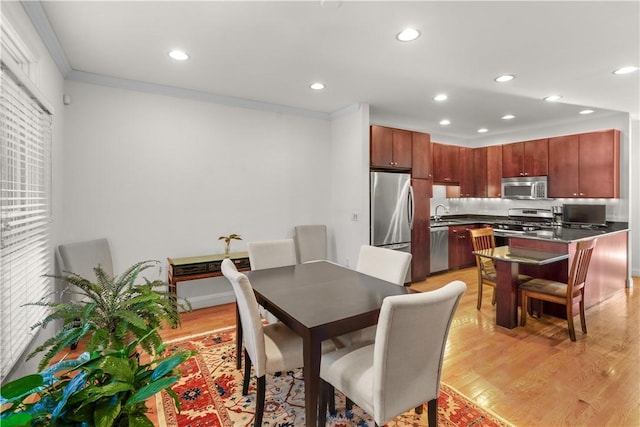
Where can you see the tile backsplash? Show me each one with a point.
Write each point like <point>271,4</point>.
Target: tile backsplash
<point>617,209</point>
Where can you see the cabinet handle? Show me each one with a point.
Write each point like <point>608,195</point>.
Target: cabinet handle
<point>582,194</point>
<point>575,194</point>
<point>526,174</point>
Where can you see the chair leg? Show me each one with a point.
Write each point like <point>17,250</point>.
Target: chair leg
<point>331,390</point>
<point>432,412</point>
<point>247,374</point>
<point>348,404</point>
<point>260,399</point>
<point>572,330</point>
<point>493,298</point>
<point>479,295</point>
<point>523,308</point>
<point>322,404</point>
<point>583,318</point>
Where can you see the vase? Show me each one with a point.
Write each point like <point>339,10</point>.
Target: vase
<point>226,250</point>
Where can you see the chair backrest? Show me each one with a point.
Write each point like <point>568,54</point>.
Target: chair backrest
<point>271,253</point>
<point>252,329</point>
<point>580,267</point>
<point>483,238</point>
<point>311,242</point>
<point>82,257</point>
<point>407,361</point>
<point>385,264</point>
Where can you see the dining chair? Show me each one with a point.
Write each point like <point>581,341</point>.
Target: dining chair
<point>483,238</point>
<point>310,242</point>
<point>270,348</point>
<point>385,264</point>
<point>82,257</point>
<point>566,294</point>
<point>401,370</point>
<point>270,254</point>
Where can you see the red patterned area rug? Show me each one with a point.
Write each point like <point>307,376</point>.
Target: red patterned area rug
<point>210,392</point>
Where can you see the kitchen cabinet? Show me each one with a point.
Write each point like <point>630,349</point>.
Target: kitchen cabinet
<point>467,177</point>
<point>585,165</point>
<point>528,158</point>
<point>460,246</point>
<point>420,234</point>
<point>487,171</point>
<point>480,173</point>
<point>421,155</point>
<point>446,167</point>
<point>390,148</point>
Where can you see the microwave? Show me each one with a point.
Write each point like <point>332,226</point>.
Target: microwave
<point>524,187</point>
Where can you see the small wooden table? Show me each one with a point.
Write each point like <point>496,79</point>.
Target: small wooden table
<point>200,267</point>
<point>318,301</point>
<point>507,260</point>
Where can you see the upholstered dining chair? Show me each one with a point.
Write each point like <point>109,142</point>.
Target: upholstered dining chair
<point>385,264</point>
<point>401,369</point>
<point>271,254</point>
<point>483,238</point>
<point>82,257</point>
<point>566,294</point>
<point>311,242</point>
<point>270,348</point>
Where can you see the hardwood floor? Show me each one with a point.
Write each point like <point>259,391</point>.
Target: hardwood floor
<point>531,376</point>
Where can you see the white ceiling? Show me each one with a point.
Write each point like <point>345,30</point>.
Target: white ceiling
<point>271,51</point>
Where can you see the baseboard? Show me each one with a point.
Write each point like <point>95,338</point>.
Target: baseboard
<point>203,301</point>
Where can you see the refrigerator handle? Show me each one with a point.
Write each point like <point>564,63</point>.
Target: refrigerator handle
<point>411,209</point>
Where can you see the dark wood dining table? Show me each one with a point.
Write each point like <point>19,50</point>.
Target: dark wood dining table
<point>319,301</point>
<point>507,260</point>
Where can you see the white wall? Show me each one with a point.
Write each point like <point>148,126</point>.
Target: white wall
<point>50,84</point>
<point>164,177</point>
<point>634,205</point>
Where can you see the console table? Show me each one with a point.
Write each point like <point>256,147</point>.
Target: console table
<point>200,267</point>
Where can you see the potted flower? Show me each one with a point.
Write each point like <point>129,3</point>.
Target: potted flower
<point>227,242</point>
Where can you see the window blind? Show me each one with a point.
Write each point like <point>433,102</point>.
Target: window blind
<point>25,215</point>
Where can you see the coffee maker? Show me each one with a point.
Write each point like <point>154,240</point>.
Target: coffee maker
<point>557,215</point>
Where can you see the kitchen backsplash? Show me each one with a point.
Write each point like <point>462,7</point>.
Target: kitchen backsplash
<point>617,209</point>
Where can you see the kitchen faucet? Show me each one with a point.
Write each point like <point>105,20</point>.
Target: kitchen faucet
<point>436,217</point>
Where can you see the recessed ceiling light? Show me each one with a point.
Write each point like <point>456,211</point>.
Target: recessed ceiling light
<point>483,130</point>
<point>625,70</point>
<point>553,98</point>
<point>440,97</point>
<point>508,117</point>
<point>178,55</point>
<point>317,86</point>
<point>505,78</point>
<point>586,111</point>
<point>408,34</point>
<point>445,122</point>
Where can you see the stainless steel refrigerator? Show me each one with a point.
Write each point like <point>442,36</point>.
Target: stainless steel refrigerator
<point>392,211</point>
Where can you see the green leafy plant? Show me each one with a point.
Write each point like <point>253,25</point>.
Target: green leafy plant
<point>227,241</point>
<point>101,388</point>
<point>111,312</point>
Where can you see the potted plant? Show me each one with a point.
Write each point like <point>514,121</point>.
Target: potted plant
<point>111,312</point>
<point>100,388</point>
<point>227,242</point>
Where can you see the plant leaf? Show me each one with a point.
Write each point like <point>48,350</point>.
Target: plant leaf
<point>106,412</point>
<point>150,389</point>
<point>20,387</point>
<point>17,419</point>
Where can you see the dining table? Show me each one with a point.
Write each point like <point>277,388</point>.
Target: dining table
<point>507,260</point>
<point>318,300</point>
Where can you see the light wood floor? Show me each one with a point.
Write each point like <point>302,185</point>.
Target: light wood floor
<point>531,376</point>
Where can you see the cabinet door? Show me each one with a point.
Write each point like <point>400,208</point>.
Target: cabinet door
<point>512,159</point>
<point>446,168</point>
<point>563,166</point>
<point>420,235</point>
<point>401,149</point>
<point>460,247</point>
<point>381,146</point>
<point>494,171</point>
<point>480,171</point>
<point>467,185</point>
<point>536,158</point>
<point>599,164</point>
<point>421,161</point>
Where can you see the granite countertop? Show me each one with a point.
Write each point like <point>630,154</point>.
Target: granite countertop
<point>557,234</point>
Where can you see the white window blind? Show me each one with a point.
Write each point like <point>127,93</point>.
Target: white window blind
<point>25,214</point>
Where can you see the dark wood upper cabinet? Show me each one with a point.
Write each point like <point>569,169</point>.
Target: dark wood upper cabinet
<point>446,163</point>
<point>420,234</point>
<point>494,171</point>
<point>528,158</point>
<point>480,171</point>
<point>390,148</point>
<point>585,165</point>
<point>421,155</point>
<point>467,176</point>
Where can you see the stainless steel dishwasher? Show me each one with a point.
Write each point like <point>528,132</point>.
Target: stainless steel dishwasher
<point>439,249</point>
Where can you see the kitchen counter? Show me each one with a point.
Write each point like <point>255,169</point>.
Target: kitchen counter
<point>556,234</point>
